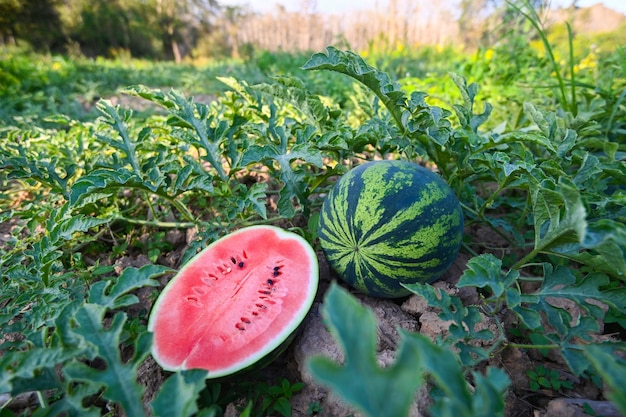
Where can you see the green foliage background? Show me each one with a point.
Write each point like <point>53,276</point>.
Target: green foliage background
<point>534,149</point>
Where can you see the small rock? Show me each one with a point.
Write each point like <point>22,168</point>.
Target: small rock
<point>175,237</point>
<point>433,326</point>
<point>573,407</point>
<point>415,305</point>
<point>127,261</point>
<point>516,363</point>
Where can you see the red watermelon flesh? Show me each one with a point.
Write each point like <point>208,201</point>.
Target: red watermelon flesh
<point>235,302</point>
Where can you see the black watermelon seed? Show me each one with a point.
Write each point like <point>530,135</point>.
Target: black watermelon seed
<point>241,264</point>
<point>270,281</point>
<point>233,260</point>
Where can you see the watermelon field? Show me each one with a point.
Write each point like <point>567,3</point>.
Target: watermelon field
<point>116,173</point>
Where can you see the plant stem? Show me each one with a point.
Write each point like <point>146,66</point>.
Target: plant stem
<point>522,262</point>
<point>530,346</point>
<point>43,402</point>
<point>157,223</point>
<point>570,38</point>
<point>481,217</point>
<point>491,198</point>
<point>180,207</point>
<point>535,22</point>
<point>187,225</point>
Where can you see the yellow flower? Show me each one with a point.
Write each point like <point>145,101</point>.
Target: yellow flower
<point>489,54</point>
<point>588,62</point>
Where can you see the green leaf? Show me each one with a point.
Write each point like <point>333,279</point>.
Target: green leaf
<point>34,369</point>
<point>426,124</point>
<point>559,215</point>
<point>465,113</point>
<point>283,406</point>
<point>390,391</point>
<point>603,249</point>
<point>117,118</point>
<point>177,396</point>
<point>293,91</point>
<point>281,152</point>
<point>103,179</point>
<point>201,129</point>
<point>608,360</point>
<point>66,228</point>
<point>489,398</point>
<point>463,333</point>
<point>117,378</point>
<point>351,64</point>
<point>72,403</point>
<point>257,197</point>
<point>486,271</point>
<point>538,117</point>
<point>360,381</point>
<point>560,282</point>
<point>458,399</point>
<point>114,294</point>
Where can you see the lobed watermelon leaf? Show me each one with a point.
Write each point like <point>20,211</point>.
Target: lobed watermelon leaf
<point>603,249</point>
<point>544,311</point>
<point>118,378</point>
<point>19,161</point>
<point>360,381</point>
<point>559,215</point>
<point>486,271</point>
<point>33,369</point>
<point>425,123</point>
<point>117,118</point>
<point>463,330</point>
<point>256,196</point>
<point>281,152</point>
<point>177,396</point>
<point>293,91</point>
<point>390,391</point>
<point>351,64</point>
<point>560,283</point>
<point>465,112</point>
<point>113,295</point>
<point>609,361</point>
<point>72,404</point>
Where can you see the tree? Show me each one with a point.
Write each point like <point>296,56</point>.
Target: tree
<point>181,21</point>
<point>34,21</point>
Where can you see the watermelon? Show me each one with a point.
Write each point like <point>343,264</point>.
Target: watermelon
<point>235,303</point>
<point>388,223</point>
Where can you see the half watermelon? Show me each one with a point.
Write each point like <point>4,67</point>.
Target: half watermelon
<point>235,302</point>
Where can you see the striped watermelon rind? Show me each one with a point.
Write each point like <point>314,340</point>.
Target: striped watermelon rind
<point>388,223</point>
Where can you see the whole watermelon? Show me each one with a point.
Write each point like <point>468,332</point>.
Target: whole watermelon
<point>385,223</point>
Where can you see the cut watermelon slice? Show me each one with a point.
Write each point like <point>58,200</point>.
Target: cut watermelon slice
<point>235,302</point>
